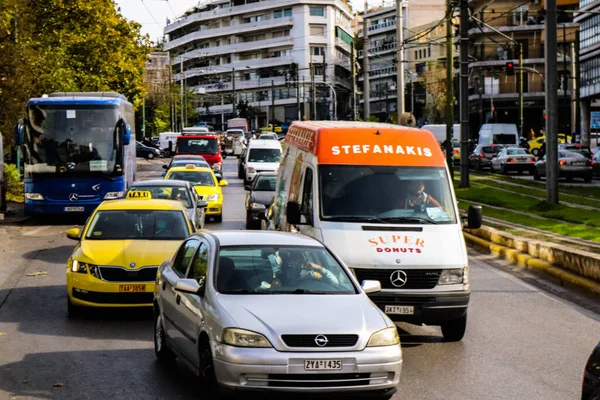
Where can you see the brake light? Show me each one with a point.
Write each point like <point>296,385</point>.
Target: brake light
<point>482,155</point>
<point>510,160</point>
<point>532,159</point>
<point>455,151</point>
<point>562,162</point>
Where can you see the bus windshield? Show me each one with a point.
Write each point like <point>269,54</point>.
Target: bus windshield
<point>70,139</point>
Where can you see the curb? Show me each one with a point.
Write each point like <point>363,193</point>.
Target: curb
<point>529,262</point>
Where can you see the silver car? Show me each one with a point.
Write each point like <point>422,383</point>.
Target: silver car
<point>513,159</point>
<point>272,311</point>
<point>570,165</point>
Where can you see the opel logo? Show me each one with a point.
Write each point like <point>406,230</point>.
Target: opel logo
<point>321,340</point>
<point>73,196</point>
<point>398,278</point>
<point>132,265</point>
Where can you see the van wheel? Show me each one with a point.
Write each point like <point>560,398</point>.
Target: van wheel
<point>162,351</point>
<point>150,156</point>
<point>454,330</point>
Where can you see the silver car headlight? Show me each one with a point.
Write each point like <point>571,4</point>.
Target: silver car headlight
<point>113,195</point>
<point>452,276</point>
<point>244,338</point>
<point>385,337</point>
<point>213,197</point>
<point>34,196</point>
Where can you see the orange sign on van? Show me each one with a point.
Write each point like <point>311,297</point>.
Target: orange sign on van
<point>360,143</point>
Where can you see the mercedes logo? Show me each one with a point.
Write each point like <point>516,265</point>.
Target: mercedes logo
<point>398,278</point>
<point>321,340</point>
<point>73,196</point>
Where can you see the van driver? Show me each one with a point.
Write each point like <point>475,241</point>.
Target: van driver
<point>417,198</point>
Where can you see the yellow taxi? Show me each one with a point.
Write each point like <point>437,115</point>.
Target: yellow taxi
<point>536,144</point>
<point>119,250</point>
<point>206,185</point>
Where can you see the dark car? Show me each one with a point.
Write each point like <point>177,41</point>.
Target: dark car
<point>146,151</point>
<point>259,195</point>
<point>241,159</point>
<point>570,165</point>
<point>482,156</point>
<point>176,190</point>
<point>577,148</point>
<point>591,376</point>
<point>596,164</point>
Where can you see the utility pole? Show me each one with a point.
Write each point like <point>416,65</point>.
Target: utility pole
<point>222,112</point>
<point>144,117</point>
<point>273,104</point>
<point>233,99</point>
<point>449,89</point>
<point>353,78</point>
<point>565,81</point>
<point>313,92</point>
<point>399,61</point>
<point>464,94</point>
<point>181,82</point>
<point>366,70</point>
<point>521,100</point>
<point>551,104</point>
<point>576,83</point>
<point>480,90</point>
<point>298,93</point>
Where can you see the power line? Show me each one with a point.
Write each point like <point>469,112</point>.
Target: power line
<point>171,8</point>
<point>150,12</point>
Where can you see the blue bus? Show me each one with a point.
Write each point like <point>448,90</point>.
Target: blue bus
<point>77,151</point>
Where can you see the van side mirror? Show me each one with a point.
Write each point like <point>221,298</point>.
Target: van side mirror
<point>474,217</point>
<point>293,213</point>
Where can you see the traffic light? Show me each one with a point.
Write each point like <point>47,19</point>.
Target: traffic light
<point>510,68</point>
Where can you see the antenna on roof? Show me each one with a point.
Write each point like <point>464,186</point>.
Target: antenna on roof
<point>378,132</point>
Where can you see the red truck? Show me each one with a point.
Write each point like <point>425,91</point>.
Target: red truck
<point>207,146</point>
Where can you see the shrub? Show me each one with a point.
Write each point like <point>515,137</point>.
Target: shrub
<point>14,187</point>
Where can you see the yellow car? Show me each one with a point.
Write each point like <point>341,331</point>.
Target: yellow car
<point>206,184</point>
<point>536,144</point>
<point>119,250</point>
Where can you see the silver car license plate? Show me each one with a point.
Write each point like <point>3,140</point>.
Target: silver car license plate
<point>400,310</point>
<point>322,365</point>
<point>74,209</point>
<point>579,164</point>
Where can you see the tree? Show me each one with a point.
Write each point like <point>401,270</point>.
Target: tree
<point>435,79</point>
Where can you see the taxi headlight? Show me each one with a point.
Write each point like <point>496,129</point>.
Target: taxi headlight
<point>113,195</point>
<point>452,276</point>
<point>257,206</point>
<point>213,197</point>
<point>34,196</point>
<point>243,338</point>
<point>79,267</point>
<point>385,337</point>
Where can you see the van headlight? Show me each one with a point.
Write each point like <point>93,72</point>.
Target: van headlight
<point>113,195</point>
<point>250,169</point>
<point>385,337</point>
<point>34,196</point>
<point>453,276</point>
<point>244,338</point>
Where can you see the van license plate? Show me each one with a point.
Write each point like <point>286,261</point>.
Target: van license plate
<point>132,288</point>
<point>322,365</point>
<point>400,310</point>
<point>74,209</point>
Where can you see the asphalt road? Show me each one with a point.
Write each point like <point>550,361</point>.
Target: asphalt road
<point>521,343</point>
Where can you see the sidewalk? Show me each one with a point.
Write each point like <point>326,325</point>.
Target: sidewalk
<point>14,214</point>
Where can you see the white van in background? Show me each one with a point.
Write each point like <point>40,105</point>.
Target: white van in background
<point>439,131</point>
<point>166,141</point>
<point>504,134</point>
<point>262,156</point>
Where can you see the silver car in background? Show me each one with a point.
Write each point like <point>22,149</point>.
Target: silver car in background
<point>513,159</point>
<point>570,165</point>
<point>273,311</point>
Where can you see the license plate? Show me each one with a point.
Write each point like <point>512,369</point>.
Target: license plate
<point>74,209</point>
<point>322,365</point>
<point>579,163</point>
<point>132,288</point>
<point>400,310</point>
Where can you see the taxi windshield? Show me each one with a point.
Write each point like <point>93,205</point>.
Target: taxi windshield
<point>166,193</point>
<point>197,178</point>
<point>280,270</point>
<point>138,225</point>
<point>412,194</point>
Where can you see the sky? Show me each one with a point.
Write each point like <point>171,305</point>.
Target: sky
<point>152,14</point>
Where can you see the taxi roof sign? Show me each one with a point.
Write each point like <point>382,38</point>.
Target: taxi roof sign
<point>190,166</point>
<point>139,195</point>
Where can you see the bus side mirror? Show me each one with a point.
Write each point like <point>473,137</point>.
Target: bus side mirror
<point>18,137</point>
<point>126,134</point>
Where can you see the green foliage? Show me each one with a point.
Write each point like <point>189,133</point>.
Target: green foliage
<point>60,45</point>
<point>14,187</point>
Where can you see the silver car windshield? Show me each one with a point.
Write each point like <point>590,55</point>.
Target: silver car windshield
<point>280,270</point>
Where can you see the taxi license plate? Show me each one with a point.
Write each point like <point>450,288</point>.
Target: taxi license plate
<point>74,209</point>
<point>400,310</point>
<point>132,288</point>
<point>322,365</point>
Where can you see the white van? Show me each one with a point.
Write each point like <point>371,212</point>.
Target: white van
<point>167,141</point>
<point>439,131</point>
<point>381,197</point>
<point>262,156</point>
<point>504,134</point>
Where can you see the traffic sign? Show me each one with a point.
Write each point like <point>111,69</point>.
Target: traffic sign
<point>595,118</point>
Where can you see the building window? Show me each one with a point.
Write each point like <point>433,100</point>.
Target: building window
<point>317,11</point>
<point>287,12</point>
<point>281,33</point>
<point>317,51</point>
<point>429,52</point>
<point>317,30</point>
<point>416,55</point>
<point>420,54</point>
<point>342,35</point>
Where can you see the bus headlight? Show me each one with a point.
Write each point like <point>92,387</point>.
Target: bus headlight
<point>34,196</point>
<point>113,195</point>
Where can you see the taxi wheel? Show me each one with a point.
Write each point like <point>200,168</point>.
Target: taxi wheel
<point>218,218</point>
<point>454,330</point>
<point>162,351</point>
<point>73,311</point>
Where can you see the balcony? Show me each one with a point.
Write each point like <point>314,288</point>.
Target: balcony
<point>382,27</point>
<point>506,89</point>
<point>375,50</point>
<point>380,73</point>
<point>518,21</point>
<point>234,48</point>
<point>343,45</point>
<point>267,24</point>
<point>533,55</point>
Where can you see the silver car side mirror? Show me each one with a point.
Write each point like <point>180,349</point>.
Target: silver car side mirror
<point>371,286</point>
<point>190,286</point>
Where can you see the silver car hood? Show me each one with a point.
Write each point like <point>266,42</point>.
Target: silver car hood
<point>275,315</point>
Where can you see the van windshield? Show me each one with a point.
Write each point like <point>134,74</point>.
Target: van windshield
<point>376,194</point>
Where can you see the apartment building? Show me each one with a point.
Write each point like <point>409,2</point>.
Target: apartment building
<point>589,64</point>
<point>493,91</point>
<point>256,50</point>
<point>158,73</point>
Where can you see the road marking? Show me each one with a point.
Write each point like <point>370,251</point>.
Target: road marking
<point>35,231</point>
